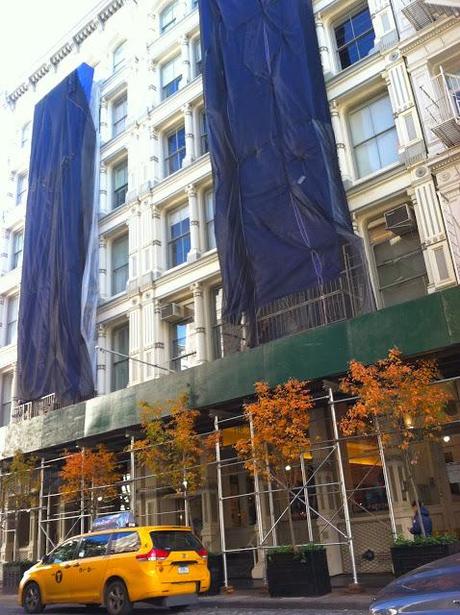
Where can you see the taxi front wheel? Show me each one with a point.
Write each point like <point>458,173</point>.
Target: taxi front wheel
<point>32,600</point>
<point>117,601</point>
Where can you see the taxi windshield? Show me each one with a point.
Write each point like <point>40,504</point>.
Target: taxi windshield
<point>173,540</point>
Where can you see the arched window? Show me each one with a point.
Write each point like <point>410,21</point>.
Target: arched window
<point>168,17</point>
<point>119,56</point>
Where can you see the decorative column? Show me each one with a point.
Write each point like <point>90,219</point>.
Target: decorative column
<point>430,224</point>
<point>102,268</point>
<point>155,155</point>
<point>189,136</point>
<point>199,320</point>
<point>103,200</point>
<point>133,243</point>
<point>410,137</point>
<point>383,22</point>
<point>323,48</point>
<point>185,55</point>
<point>159,346</point>
<point>14,390</point>
<point>340,142</point>
<point>4,255</point>
<point>104,120</point>
<point>157,257</point>
<point>135,340</point>
<point>194,253</point>
<point>448,182</point>
<point>101,365</point>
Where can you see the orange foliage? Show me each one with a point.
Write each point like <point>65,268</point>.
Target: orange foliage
<point>92,473</point>
<point>280,420</point>
<point>397,393</point>
<point>172,448</point>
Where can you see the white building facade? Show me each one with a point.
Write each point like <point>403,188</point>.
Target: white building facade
<point>392,71</point>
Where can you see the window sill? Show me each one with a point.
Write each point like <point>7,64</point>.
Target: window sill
<point>372,176</point>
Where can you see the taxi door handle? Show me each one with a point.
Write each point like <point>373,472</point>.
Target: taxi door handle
<point>77,565</point>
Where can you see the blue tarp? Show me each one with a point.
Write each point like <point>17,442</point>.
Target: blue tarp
<point>53,356</point>
<point>281,212</point>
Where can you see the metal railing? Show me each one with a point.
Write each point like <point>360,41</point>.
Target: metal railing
<point>444,108</point>
<point>31,409</point>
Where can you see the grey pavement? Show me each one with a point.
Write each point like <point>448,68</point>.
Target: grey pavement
<point>235,604</point>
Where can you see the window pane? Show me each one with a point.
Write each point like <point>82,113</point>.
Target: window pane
<point>404,292</point>
<point>12,319</point>
<point>94,546</point>
<point>367,158</point>
<point>64,553</point>
<point>382,114</point>
<point>354,38</point>
<point>119,56</point>
<point>364,45</point>
<point>120,363</point>
<point>168,17</point>
<point>125,542</point>
<point>387,144</point>
<point>7,392</point>
<point>119,264</point>
<point>361,126</point>
<point>120,175</point>
<point>361,22</point>
<point>175,541</point>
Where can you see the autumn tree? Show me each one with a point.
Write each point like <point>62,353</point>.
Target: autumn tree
<point>19,487</point>
<point>279,419</point>
<point>398,398</point>
<point>172,448</point>
<point>90,476</point>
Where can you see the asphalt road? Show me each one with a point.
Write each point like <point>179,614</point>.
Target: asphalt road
<point>11,609</point>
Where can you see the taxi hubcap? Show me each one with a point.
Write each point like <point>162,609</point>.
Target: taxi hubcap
<point>32,597</point>
<point>116,598</point>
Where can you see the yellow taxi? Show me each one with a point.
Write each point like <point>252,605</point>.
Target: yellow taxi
<point>163,565</point>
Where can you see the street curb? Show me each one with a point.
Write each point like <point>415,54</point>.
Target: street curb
<point>288,603</point>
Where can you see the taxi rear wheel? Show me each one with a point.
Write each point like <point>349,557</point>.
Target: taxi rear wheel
<point>32,599</point>
<point>117,601</point>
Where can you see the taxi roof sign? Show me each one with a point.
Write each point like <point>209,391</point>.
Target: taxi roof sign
<point>114,521</point>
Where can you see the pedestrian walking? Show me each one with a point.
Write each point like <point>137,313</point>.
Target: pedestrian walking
<point>420,520</point>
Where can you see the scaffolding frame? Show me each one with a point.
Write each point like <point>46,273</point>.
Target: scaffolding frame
<point>330,448</point>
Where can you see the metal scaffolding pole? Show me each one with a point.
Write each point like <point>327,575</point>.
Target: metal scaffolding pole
<point>271,504</point>
<point>343,489</point>
<point>386,479</point>
<point>260,527</point>
<point>307,501</point>
<point>223,545</point>
<point>132,471</point>
<point>40,510</point>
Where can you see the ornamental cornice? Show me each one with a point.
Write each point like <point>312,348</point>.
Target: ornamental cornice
<point>447,159</point>
<point>74,39</point>
<point>420,39</point>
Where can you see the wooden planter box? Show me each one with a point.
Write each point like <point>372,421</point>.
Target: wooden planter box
<point>216,568</point>
<point>306,574</point>
<point>407,558</point>
<point>12,575</point>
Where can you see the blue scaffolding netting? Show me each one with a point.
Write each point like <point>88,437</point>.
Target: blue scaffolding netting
<point>53,352</point>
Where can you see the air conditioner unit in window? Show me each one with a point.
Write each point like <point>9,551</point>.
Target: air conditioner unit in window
<point>400,220</point>
<point>172,312</point>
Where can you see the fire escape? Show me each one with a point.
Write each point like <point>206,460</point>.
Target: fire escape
<point>421,13</point>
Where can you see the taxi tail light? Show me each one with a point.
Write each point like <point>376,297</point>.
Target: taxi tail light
<point>154,555</point>
<point>202,553</point>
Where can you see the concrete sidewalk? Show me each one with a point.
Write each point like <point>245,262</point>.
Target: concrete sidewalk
<point>259,599</point>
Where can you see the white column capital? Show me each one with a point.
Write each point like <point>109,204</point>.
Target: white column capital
<point>187,109</point>
<point>197,289</point>
<point>190,190</point>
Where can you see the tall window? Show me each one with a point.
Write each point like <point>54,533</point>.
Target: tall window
<point>119,264</point>
<point>374,137</point>
<point>119,114</point>
<point>355,37</point>
<point>168,17</point>
<point>120,363</point>
<point>21,188</point>
<point>25,134</point>
<point>120,184</point>
<point>119,56</point>
<point>175,145</point>
<point>203,133</point>
<point>198,58</point>
<point>217,333</point>
<point>7,393</point>
<point>171,76</point>
<point>12,319</point>
<point>18,243</point>
<point>182,347</point>
<point>209,216</point>
<point>401,272</point>
<point>178,236</point>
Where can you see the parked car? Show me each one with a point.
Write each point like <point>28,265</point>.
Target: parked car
<point>163,565</point>
<point>433,589</point>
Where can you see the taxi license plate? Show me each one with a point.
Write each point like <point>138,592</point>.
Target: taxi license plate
<point>184,570</point>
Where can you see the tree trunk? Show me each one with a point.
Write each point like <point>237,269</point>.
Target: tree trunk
<point>414,489</point>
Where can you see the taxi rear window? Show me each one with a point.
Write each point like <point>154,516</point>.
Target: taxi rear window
<point>171,540</point>
<point>125,542</point>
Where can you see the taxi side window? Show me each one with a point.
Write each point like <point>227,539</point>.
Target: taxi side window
<point>92,546</point>
<point>125,542</point>
<point>64,553</point>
